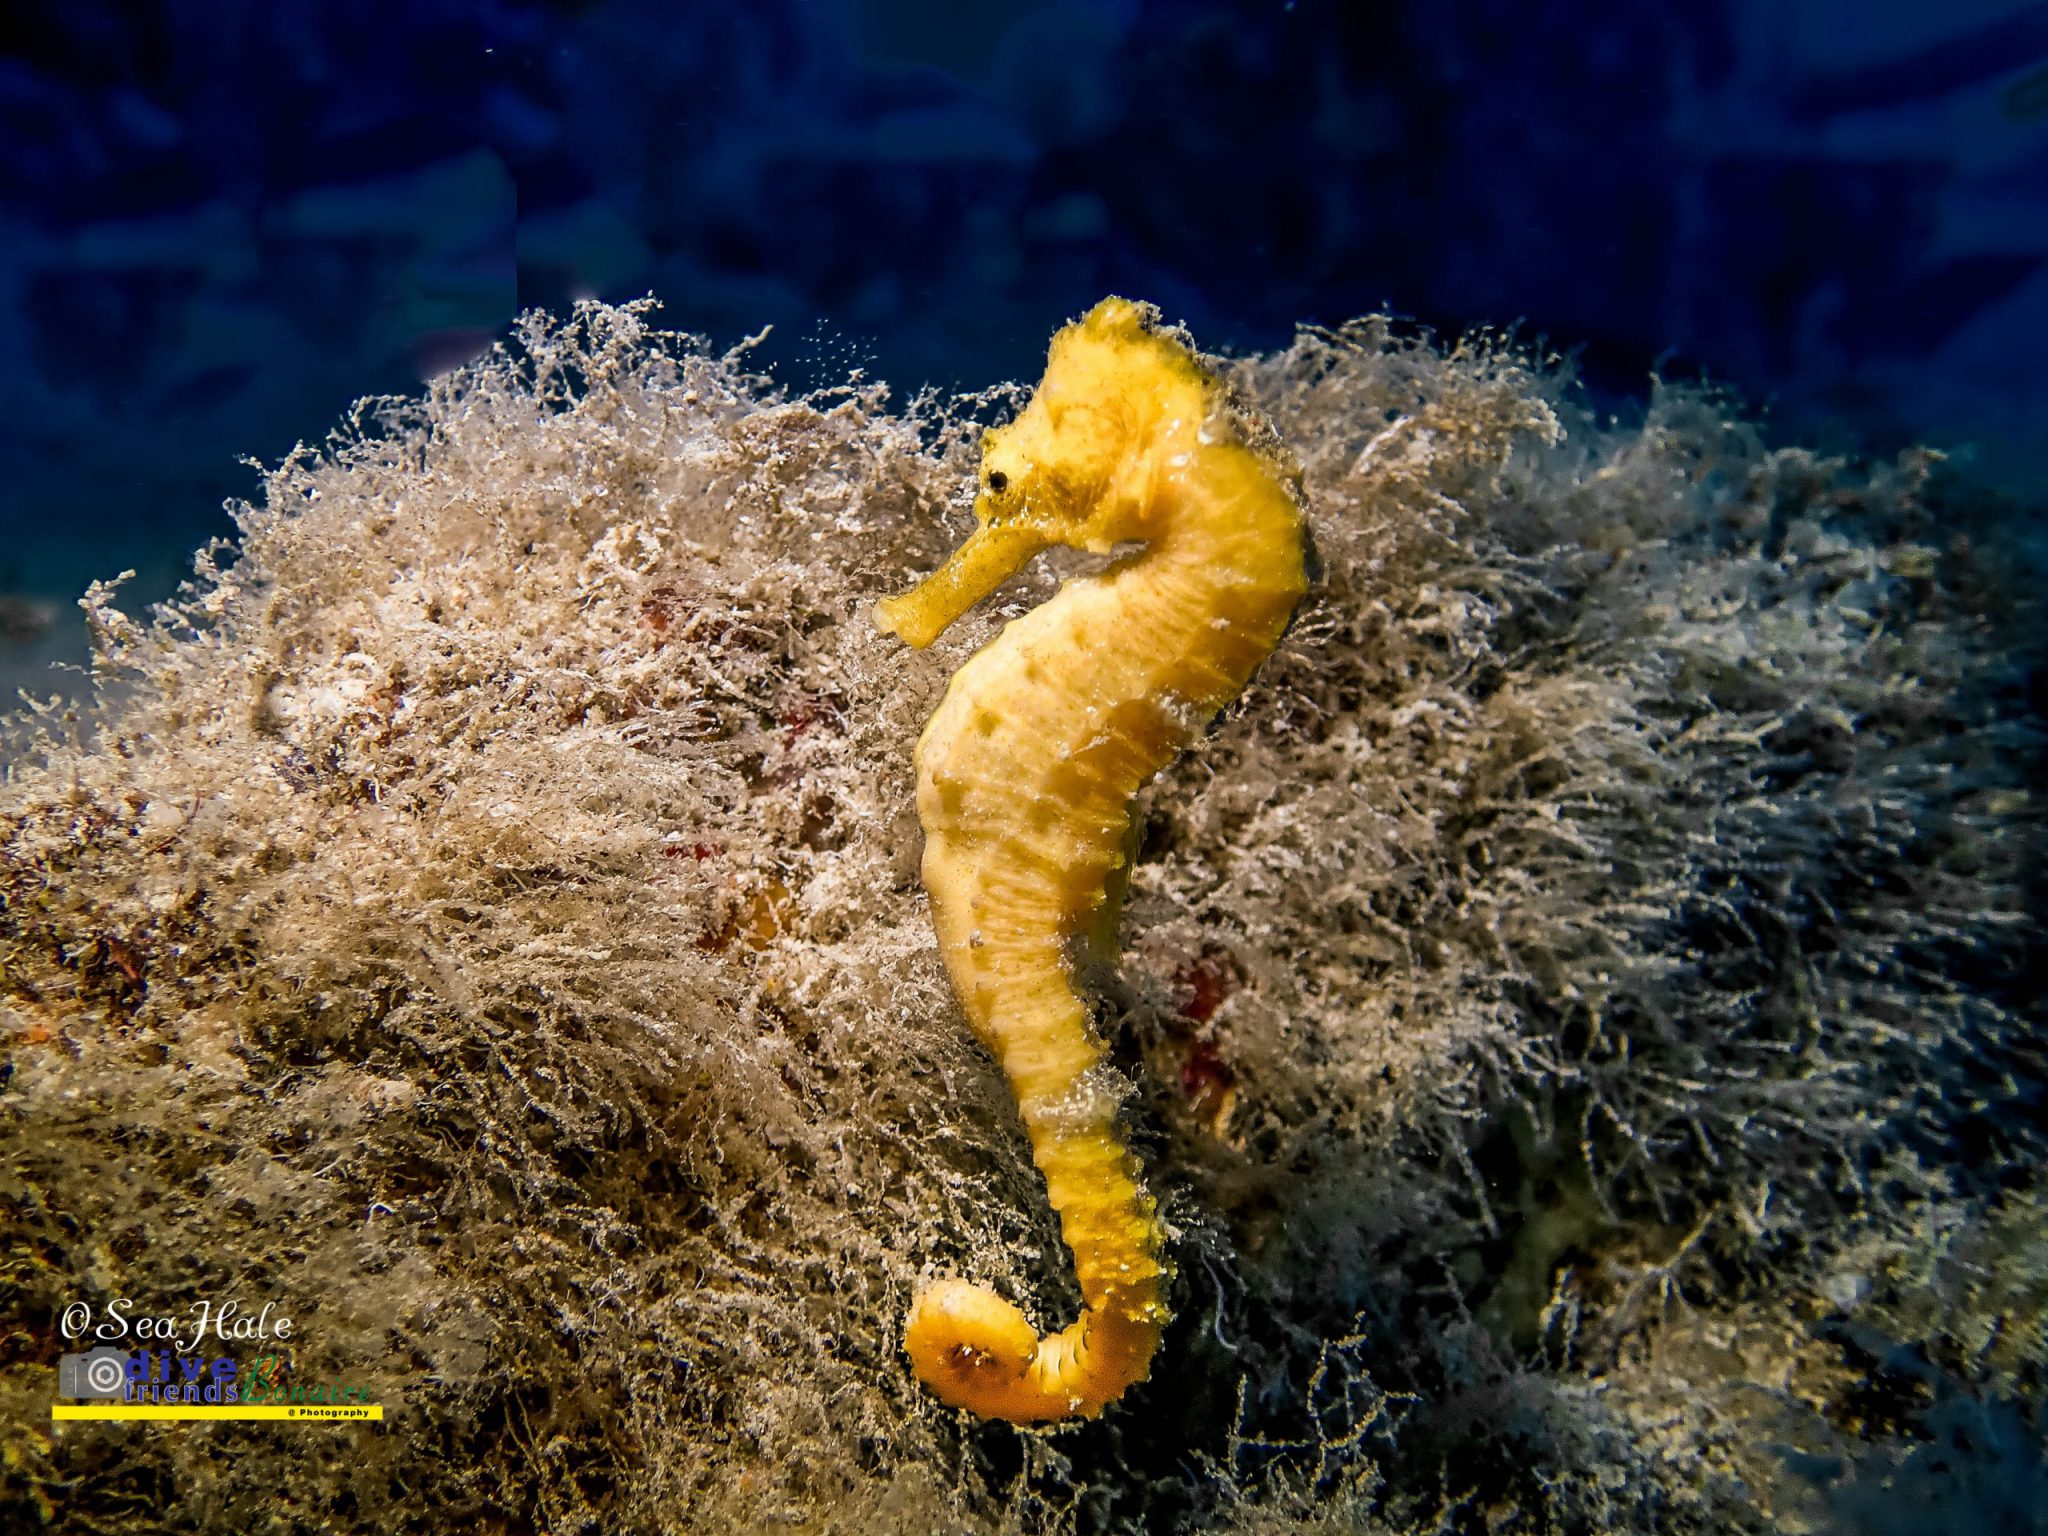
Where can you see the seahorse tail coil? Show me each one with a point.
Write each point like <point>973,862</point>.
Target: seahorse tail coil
<point>978,1351</point>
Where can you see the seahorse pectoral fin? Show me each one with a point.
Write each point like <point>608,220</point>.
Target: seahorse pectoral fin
<point>992,554</point>
<point>1100,932</point>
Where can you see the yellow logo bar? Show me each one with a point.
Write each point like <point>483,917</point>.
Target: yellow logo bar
<point>350,1412</point>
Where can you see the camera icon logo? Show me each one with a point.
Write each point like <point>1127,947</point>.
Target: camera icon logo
<point>101,1372</point>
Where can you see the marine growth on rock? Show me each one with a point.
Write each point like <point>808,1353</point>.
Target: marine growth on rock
<point>1579,1008</point>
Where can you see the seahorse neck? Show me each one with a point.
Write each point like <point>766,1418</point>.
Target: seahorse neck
<point>1228,539</point>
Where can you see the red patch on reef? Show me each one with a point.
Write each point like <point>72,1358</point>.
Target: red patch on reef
<point>658,609</point>
<point>697,851</point>
<point>801,714</point>
<point>1199,988</point>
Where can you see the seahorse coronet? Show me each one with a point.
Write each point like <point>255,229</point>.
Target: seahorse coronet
<point>1026,776</point>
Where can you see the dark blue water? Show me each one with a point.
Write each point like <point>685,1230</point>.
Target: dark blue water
<point>223,220</point>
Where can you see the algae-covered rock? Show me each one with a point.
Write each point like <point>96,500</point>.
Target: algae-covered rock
<point>1583,999</point>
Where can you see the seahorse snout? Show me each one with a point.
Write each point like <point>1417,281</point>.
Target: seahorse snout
<point>992,554</point>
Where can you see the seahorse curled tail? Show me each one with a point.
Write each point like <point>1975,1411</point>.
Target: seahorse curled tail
<point>1026,775</point>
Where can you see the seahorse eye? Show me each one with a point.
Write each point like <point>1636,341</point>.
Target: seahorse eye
<point>998,482</point>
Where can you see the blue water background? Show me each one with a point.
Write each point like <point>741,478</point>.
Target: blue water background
<point>223,220</point>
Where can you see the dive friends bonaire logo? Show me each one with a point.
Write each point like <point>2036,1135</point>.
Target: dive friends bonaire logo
<point>139,1376</point>
<point>180,1378</point>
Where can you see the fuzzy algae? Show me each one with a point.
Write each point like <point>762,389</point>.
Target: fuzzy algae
<point>1582,1004</point>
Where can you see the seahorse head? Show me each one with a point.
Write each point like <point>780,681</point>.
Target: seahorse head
<point>1121,403</point>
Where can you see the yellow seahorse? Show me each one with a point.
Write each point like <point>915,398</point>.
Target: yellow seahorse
<point>1025,777</point>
